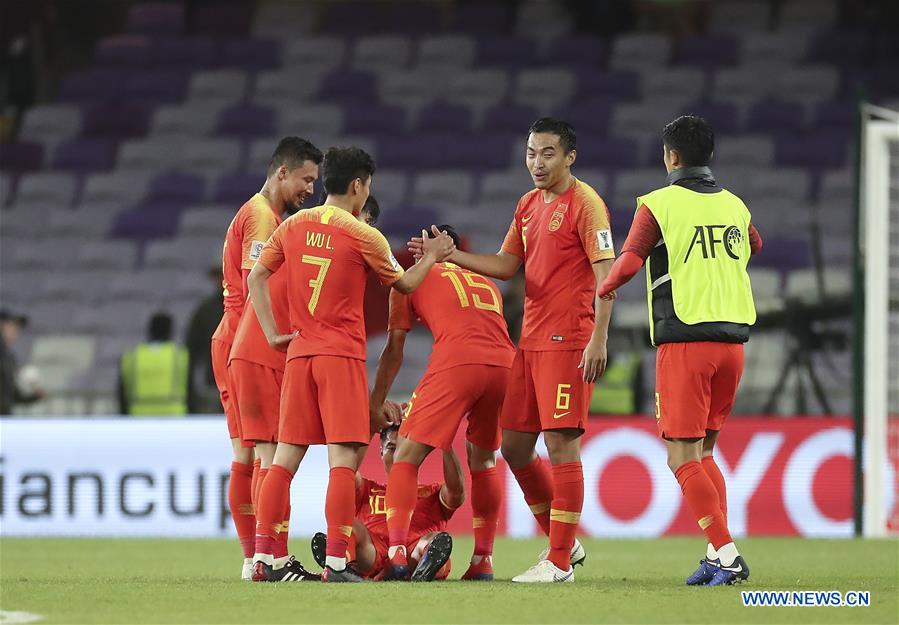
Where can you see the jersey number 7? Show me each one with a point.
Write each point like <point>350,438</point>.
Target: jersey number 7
<point>323,265</point>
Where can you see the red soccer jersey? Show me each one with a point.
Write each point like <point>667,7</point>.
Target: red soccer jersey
<point>464,311</point>
<point>558,242</point>
<point>327,253</point>
<point>430,515</point>
<point>250,343</point>
<point>248,232</point>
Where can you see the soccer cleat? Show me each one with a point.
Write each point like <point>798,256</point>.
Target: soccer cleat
<point>319,546</point>
<point>480,572</point>
<point>578,554</point>
<point>246,573</point>
<point>545,572</point>
<point>703,575</point>
<point>736,573</point>
<point>436,554</point>
<point>293,571</point>
<point>347,575</point>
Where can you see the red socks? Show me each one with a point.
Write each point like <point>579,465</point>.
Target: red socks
<point>254,483</point>
<point>279,548</point>
<point>274,500</point>
<point>711,469</point>
<point>536,484</point>
<point>702,498</point>
<point>339,509</point>
<point>402,495</point>
<point>568,500</point>
<point>486,490</point>
<point>240,501</point>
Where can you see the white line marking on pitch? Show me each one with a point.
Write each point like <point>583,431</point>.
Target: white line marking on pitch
<point>17,618</point>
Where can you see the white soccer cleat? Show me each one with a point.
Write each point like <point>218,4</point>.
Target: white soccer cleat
<point>246,573</point>
<point>544,572</point>
<point>578,554</point>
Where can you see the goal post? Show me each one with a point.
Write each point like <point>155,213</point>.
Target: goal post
<point>877,273</point>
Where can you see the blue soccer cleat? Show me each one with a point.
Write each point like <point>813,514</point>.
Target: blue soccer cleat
<point>735,573</point>
<point>703,575</point>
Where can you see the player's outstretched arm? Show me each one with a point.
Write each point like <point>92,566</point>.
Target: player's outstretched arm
<point>261,298</point>
<point>388,367</point>
<point>501,265</point>
<point>452,493</point>
<point>434,251</point>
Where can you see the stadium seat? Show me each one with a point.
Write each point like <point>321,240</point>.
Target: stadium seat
<point>708,51</point>
<point>158,86</point>
<point>176,188</point>
<point>291,85</point>
<point>440,51</point>
<point>211,157</point>
<point>252,54</point>
<point>120,255</point>
<point>7,188</point>
<point>282,20</point>
<point>740,86</point>
<point>740,16</point>
<point>150,156</point>
<point>381,53</point>
<point>640,120</point>
<point>411,90</point>
<point>680,84</point>
<point>771,116</point>
<point>84,155</point>
<point>181,121</point>
<point>181,252</point>
<point>443,189</point>
<point>803,284</point>
<point>772,48</point>
<point>510,118</point>
<point>93,85</point>
<point>631,184</point>
<point>115,120</point>
<point>156,18</point>
<point>308,120</point>
<point>46,188</point>
<point>586,51</point>
<point>125,51</point>
<point>640,50</point>
<point>479,89</point>
<point>192,53</point>
<point>744,151</point>
<point>808,84</point>
<point>506,51</point>
<point>612,85</point>
<point>21,156</point>
<point>51,123</point>
<point>838,186</point>
<point>391,188</point>
<point>544,88</point>
<point>115,188</point>
<point>207,220</point>
<point>504,187</point>
<point>86,223</point>
<point>247,120</point>
<point>217,89</point>
<point>538,18</point>
<point>445,117</point>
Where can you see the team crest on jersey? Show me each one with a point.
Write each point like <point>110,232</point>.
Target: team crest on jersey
<point>555,222</point>
<point>256,249</point>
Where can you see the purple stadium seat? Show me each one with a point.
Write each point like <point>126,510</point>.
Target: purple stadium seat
<point>846,48</point>
<point>224,18</point>
<point>512,118</point>
<point>354,18</point>
<point>236,188</point>
<point>177,189</point>
<point>775,116</point>
<point>836,115</point>
<point>343,85</point>
<point>85,155</point>
<point>116,120</point>
<point>817,150</point>
<point>159,86</point>
<point>21,156</point>
<point>131,51</point>
<point>622,85</point>
<point>611,152</point>
<point>427,151</point>
<point>186,53</point>
<point>376,119</point>
<point>588,116</point>
<point>92,85</point>
<point>708,50</point>
<point>783,253</point>
<point>577,51</point>
<point>148,221</point>
<point>482,18</point>
<point>443,117</point>
<point>723,116</point>
<point>156,18</point>
<point>246,120</point>
<point>507,51</point>
<point>404,220</point>
<point>253,54</point>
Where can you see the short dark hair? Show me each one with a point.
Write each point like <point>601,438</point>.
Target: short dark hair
<point>562,129</point>
<point>386,432</point>
<point>373,209</point>
<point>160,327</point>
<point>293,152</point>
<point>457,240</point>
<point>343,165</point>
<point>692,137</point>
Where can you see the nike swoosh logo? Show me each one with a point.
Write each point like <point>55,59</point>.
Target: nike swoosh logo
<point>559,416</point>
<point>524,220</point>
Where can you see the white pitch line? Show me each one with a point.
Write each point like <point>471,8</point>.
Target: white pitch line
<point>18,618</point>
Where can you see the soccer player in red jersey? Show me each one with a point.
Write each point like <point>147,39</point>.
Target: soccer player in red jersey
<point>326,253</point>
<point>256,371</point>
<point>291,176</point>
<point>428,544</point>
<point>466,376</point>
<point>701,309</point>
<point>562,235</point>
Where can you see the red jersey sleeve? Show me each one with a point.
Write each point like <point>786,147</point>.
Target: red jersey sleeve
<point>257,228</point>
<point>377,255</point>
<point>272,254</point>
<point>755,239</point>
<point>591,218</point>
<point>514,241</point>
<point>643,235</point>
<point>401,314</point>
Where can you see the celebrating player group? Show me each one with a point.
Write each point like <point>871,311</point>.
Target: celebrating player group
<point>289,358</point>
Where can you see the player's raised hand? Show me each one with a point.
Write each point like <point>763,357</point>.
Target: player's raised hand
<point>442,244</point>
<point>593,360</point>
<point>415,247</point>
<point>379,418</point>
<point>394,412</point>
<point>282,341</point>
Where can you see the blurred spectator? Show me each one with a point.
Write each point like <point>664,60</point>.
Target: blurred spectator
<point>202,394</point>
<point>153,375</point>
<point>14,389</point>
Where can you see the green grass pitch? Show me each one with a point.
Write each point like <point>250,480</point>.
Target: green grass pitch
<point>632,581</point>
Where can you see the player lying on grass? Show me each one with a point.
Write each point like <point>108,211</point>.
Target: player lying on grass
<point>428,544</point>
<point>466,377</point>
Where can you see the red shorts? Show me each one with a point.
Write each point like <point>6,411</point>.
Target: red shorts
<point>696,384</point>
<point>256,389</point>
<point>220,351</point>
<point>380,543</point>
<point>324,399</point>
<point>444,398</point>
<point>546,392</point>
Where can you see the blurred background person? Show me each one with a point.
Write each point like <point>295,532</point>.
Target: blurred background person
<point>16,386</point>
<point>154,375</point>
<point>202,393</point>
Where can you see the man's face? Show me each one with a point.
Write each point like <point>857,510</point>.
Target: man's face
<point>546,159</point>
<point>388,449</point>
<point>362,190</point>
<point>11,331</point>
<point>297,184</point>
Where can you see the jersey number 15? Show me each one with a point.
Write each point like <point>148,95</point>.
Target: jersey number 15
<point>473,283</point>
